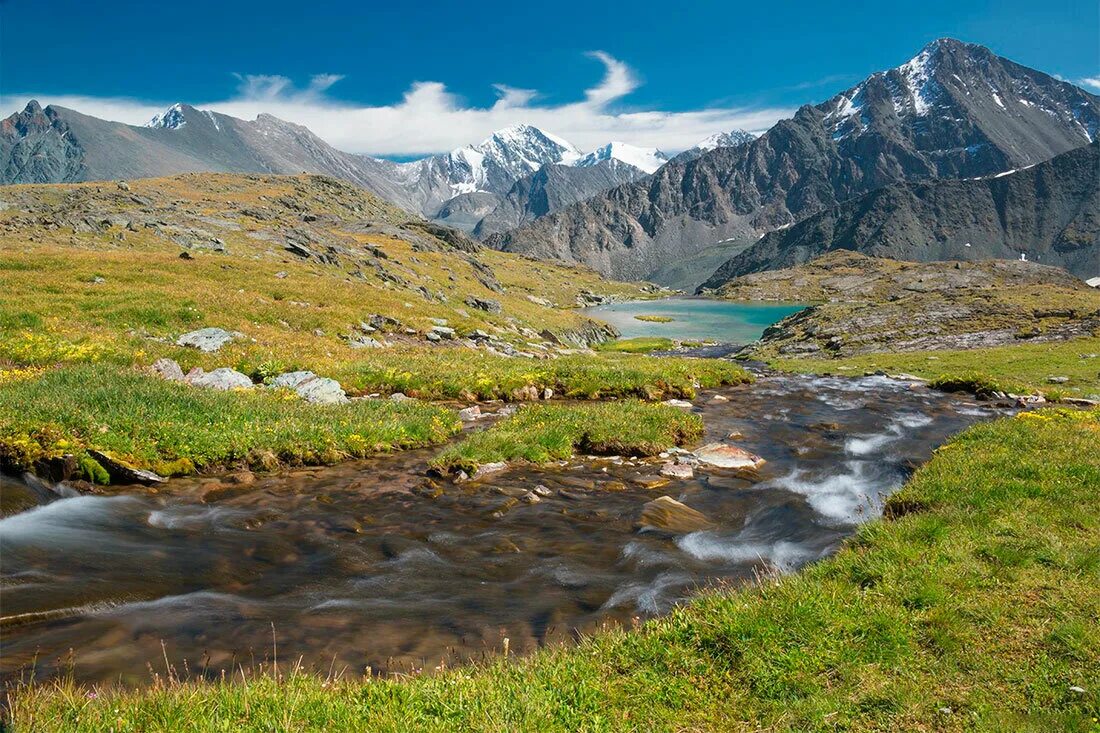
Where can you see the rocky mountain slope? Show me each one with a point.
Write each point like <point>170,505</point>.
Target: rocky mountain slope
<point>1049,213</point>
<point>955,110</point>
<point>875,304</point>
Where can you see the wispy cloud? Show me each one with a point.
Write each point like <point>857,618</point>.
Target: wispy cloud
<point>1092,82</point>
<point>430,119</point>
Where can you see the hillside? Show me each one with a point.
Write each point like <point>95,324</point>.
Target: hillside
<point>294,263</point>
<point>955,110</point>
<point>869,305</point>
<point>1049,213</point>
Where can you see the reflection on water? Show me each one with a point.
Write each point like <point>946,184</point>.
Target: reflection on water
<point>367,564</point>
<point>694,319</point>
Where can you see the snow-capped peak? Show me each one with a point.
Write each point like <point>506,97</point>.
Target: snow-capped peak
<point>646,159</point>
<point>730,139</point>
<point>170,119</point>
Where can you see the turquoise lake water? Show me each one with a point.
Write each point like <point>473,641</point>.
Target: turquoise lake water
<point>695,318</point>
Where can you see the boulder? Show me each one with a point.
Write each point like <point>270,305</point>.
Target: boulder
<point>122,472</point>
<point>167,369</point>
<point>722,455</point>
<point>311,388</point>
<point>207,339</point>
<point>485,304</point>
<point>470,414</point>
<point>668,515</point>
<point>441,332</point>
<point>223,379</point>
<point>528,392</point>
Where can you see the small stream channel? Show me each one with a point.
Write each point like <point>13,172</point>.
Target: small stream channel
<point>367,565</point>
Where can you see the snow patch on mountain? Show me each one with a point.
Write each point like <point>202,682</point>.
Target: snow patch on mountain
<point>170,119</point>
<point>646,159</point>
<point>730,139</point>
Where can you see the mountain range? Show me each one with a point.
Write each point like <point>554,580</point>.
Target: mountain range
<point>956,110</point>
<point>1047,213</point>
<point>857,171</point>
<point>56,145</point>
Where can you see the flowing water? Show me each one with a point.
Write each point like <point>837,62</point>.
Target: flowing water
<point>367,564</point>
<point>694,318</point>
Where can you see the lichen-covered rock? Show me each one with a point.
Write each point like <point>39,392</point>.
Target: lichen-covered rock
<point>223,379</point>
<point>122,472</point>
<point>312,388</point>
<point>208,339</point>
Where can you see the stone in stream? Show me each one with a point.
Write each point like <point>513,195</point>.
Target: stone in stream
<point>678,403</point>
<point>167,369</point>
<point>718,399</point>
<point>469,414</point>
<point>208,339</point>
<point>122,472</point>
<point>223,379</point>
<point>488,468</point>
<point>677,471</point>
<point>721,455</point>
<point>666,514</point>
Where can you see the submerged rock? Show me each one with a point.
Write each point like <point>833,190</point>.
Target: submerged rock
<point>728,456</point>
<point>208,339</point>
<point>677,470</point>
<point>666,514</point>
<point>223,379</point>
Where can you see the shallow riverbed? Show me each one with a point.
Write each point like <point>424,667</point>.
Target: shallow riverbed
<point>362,565</point>
<point>694,319</point>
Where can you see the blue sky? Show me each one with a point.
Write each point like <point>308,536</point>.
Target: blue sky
<point>392,80</point>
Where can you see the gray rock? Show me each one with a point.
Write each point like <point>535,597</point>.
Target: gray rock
<point>442,332</point>
<point>122,472</point>
<point>322,391</point>
<point>167,369</point>
<point>677,470</point>
<point>208,339</point>
<point>223,379</point>
<point>1057,380</point>
<point>311,388</point>
<point>470,414</point>
<point>400,397</point>
<point>485,304</point>
<point>684,404</point>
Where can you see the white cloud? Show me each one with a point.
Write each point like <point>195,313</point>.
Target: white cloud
<point>430,119</point>
<point>1093,82</point>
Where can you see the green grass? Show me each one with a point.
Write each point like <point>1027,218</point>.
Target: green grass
<point>173,428</point>
<point>654,319</point>
<point>469,374</point>
<point>975,608</point>
<point>1022,368</point>
<point>542,433</point>
<point>638,345</point>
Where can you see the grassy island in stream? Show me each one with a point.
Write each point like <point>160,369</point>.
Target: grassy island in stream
<point>544,433</point>
<point>973,607</point>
